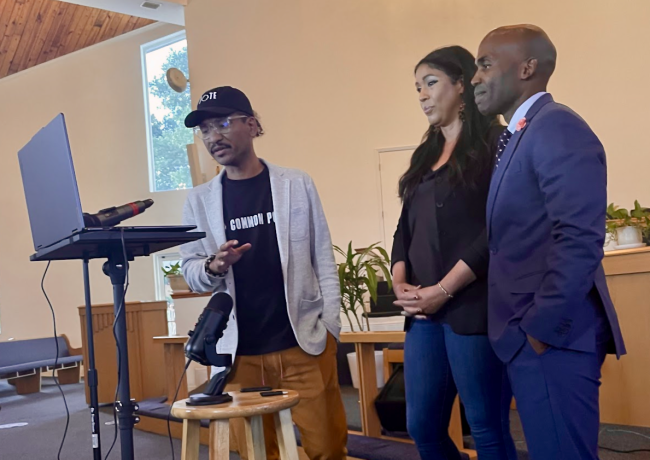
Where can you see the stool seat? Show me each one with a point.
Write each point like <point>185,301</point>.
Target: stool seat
<point>249,406</point>
<point>242,405</point>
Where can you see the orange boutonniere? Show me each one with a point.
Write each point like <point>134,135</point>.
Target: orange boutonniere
<point>521,124</point>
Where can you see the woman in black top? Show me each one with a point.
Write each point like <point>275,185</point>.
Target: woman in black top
<point>440,260</point>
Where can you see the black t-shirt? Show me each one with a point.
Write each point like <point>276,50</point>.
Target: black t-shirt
<point>262,317</point>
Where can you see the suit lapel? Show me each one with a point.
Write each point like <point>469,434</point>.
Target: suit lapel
<point>499,172</point>
<point>214,205</point>
<point>507,155</point>
<point>281,192</point>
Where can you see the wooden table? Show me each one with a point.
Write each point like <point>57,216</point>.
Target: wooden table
<point>190,295</point>
<point>364,344</point>
<point>624,393</point>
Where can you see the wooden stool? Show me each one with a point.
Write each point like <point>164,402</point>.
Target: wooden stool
<point>251,407</point>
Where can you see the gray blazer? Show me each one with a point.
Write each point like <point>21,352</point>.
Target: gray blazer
<point>311,281</point>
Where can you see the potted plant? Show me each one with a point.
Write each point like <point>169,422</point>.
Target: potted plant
<point>627,229</point>
<point>358,278</point>
<point>176,280</point>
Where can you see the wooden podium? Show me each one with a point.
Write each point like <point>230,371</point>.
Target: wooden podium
<point>624,392</point>
<point>144,321</point>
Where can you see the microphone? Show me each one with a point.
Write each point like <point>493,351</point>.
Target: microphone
<point>201,347</point>
<point>112,216</point>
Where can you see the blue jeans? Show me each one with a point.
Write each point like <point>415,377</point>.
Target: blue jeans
<point>438,364</point>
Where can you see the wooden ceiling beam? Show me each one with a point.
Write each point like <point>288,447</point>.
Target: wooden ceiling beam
<point>48,52</point>
<point>11,41</point>
<point>40,8</point>
<point>42,34</point>
<point>36,31</point>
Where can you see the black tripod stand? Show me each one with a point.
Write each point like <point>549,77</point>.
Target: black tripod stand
<point>118,246</point>
<point>116,269</point>
<point>92,371</point>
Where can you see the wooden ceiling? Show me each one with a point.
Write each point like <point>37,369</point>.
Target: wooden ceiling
<point>36,31</point>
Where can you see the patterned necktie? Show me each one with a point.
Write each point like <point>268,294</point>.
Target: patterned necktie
<point>504,138</point>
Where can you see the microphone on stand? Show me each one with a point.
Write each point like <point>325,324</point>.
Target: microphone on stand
<point>208,329</point>
<point>112,216</point>
<point>202,348</point>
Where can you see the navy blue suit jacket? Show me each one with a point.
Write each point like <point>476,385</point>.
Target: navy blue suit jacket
<point>546,214</point>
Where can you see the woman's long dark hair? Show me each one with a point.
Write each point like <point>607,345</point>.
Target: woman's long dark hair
<point>472,153</point>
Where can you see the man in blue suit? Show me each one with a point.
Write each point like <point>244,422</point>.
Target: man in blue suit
<point>550,315</point>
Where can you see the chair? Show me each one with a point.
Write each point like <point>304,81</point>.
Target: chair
<point>22,361</point>
<point>393,354</point>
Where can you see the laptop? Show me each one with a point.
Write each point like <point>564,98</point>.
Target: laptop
<point>51,191</point>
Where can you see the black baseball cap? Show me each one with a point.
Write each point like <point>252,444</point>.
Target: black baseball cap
<point>219,102</point>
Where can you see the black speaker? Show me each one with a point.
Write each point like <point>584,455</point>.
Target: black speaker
<point>384,305</point>
<point>391,402</point>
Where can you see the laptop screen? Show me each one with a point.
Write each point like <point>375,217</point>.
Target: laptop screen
<point>50,185</point>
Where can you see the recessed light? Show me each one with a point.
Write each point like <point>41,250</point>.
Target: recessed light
<point>151,5</point>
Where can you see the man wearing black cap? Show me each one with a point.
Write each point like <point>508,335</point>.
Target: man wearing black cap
<point>268,246</point>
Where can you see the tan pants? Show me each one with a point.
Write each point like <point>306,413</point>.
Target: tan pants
<point>320,415</point>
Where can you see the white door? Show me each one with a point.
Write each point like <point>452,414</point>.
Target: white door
<point>393,163</point>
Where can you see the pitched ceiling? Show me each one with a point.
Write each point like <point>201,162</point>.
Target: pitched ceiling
<point>36,31</point>
<point>167,11</point>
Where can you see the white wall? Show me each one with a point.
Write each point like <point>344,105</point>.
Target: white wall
<point>100,91</point>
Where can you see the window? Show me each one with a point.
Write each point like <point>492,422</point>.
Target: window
<point>166,110</point>
<point>163,290</point>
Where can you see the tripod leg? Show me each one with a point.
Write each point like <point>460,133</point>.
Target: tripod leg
<point>116,268</point>
<point>92,372</point>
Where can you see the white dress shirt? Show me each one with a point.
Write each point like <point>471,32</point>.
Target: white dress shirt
<point>523,110</point>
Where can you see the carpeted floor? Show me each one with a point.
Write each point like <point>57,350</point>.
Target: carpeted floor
<point>44,414</point>
<point>610,436</point>
<point>40,421</point>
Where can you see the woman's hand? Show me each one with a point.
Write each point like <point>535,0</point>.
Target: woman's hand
<point>405,291</point>
<point>422,302</point>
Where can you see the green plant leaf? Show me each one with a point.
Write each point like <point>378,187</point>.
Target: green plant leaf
<point>358,276</point>
<point>342,268</point>
<point>371,282</point>
<point>384,254</point>
<point>367,251</point>
<point>174,269</point>
<point>340,251</point>
<point>615,212</point>
<point>639,211</point>
<point>387,275</point>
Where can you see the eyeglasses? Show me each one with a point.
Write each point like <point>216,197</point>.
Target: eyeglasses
<point>222,126</point>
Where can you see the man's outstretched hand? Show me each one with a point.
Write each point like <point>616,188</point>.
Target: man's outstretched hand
<point>228,255</point>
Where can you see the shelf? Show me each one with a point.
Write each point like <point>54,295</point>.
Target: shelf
<point>622,252</point>
<point>190,295</point>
